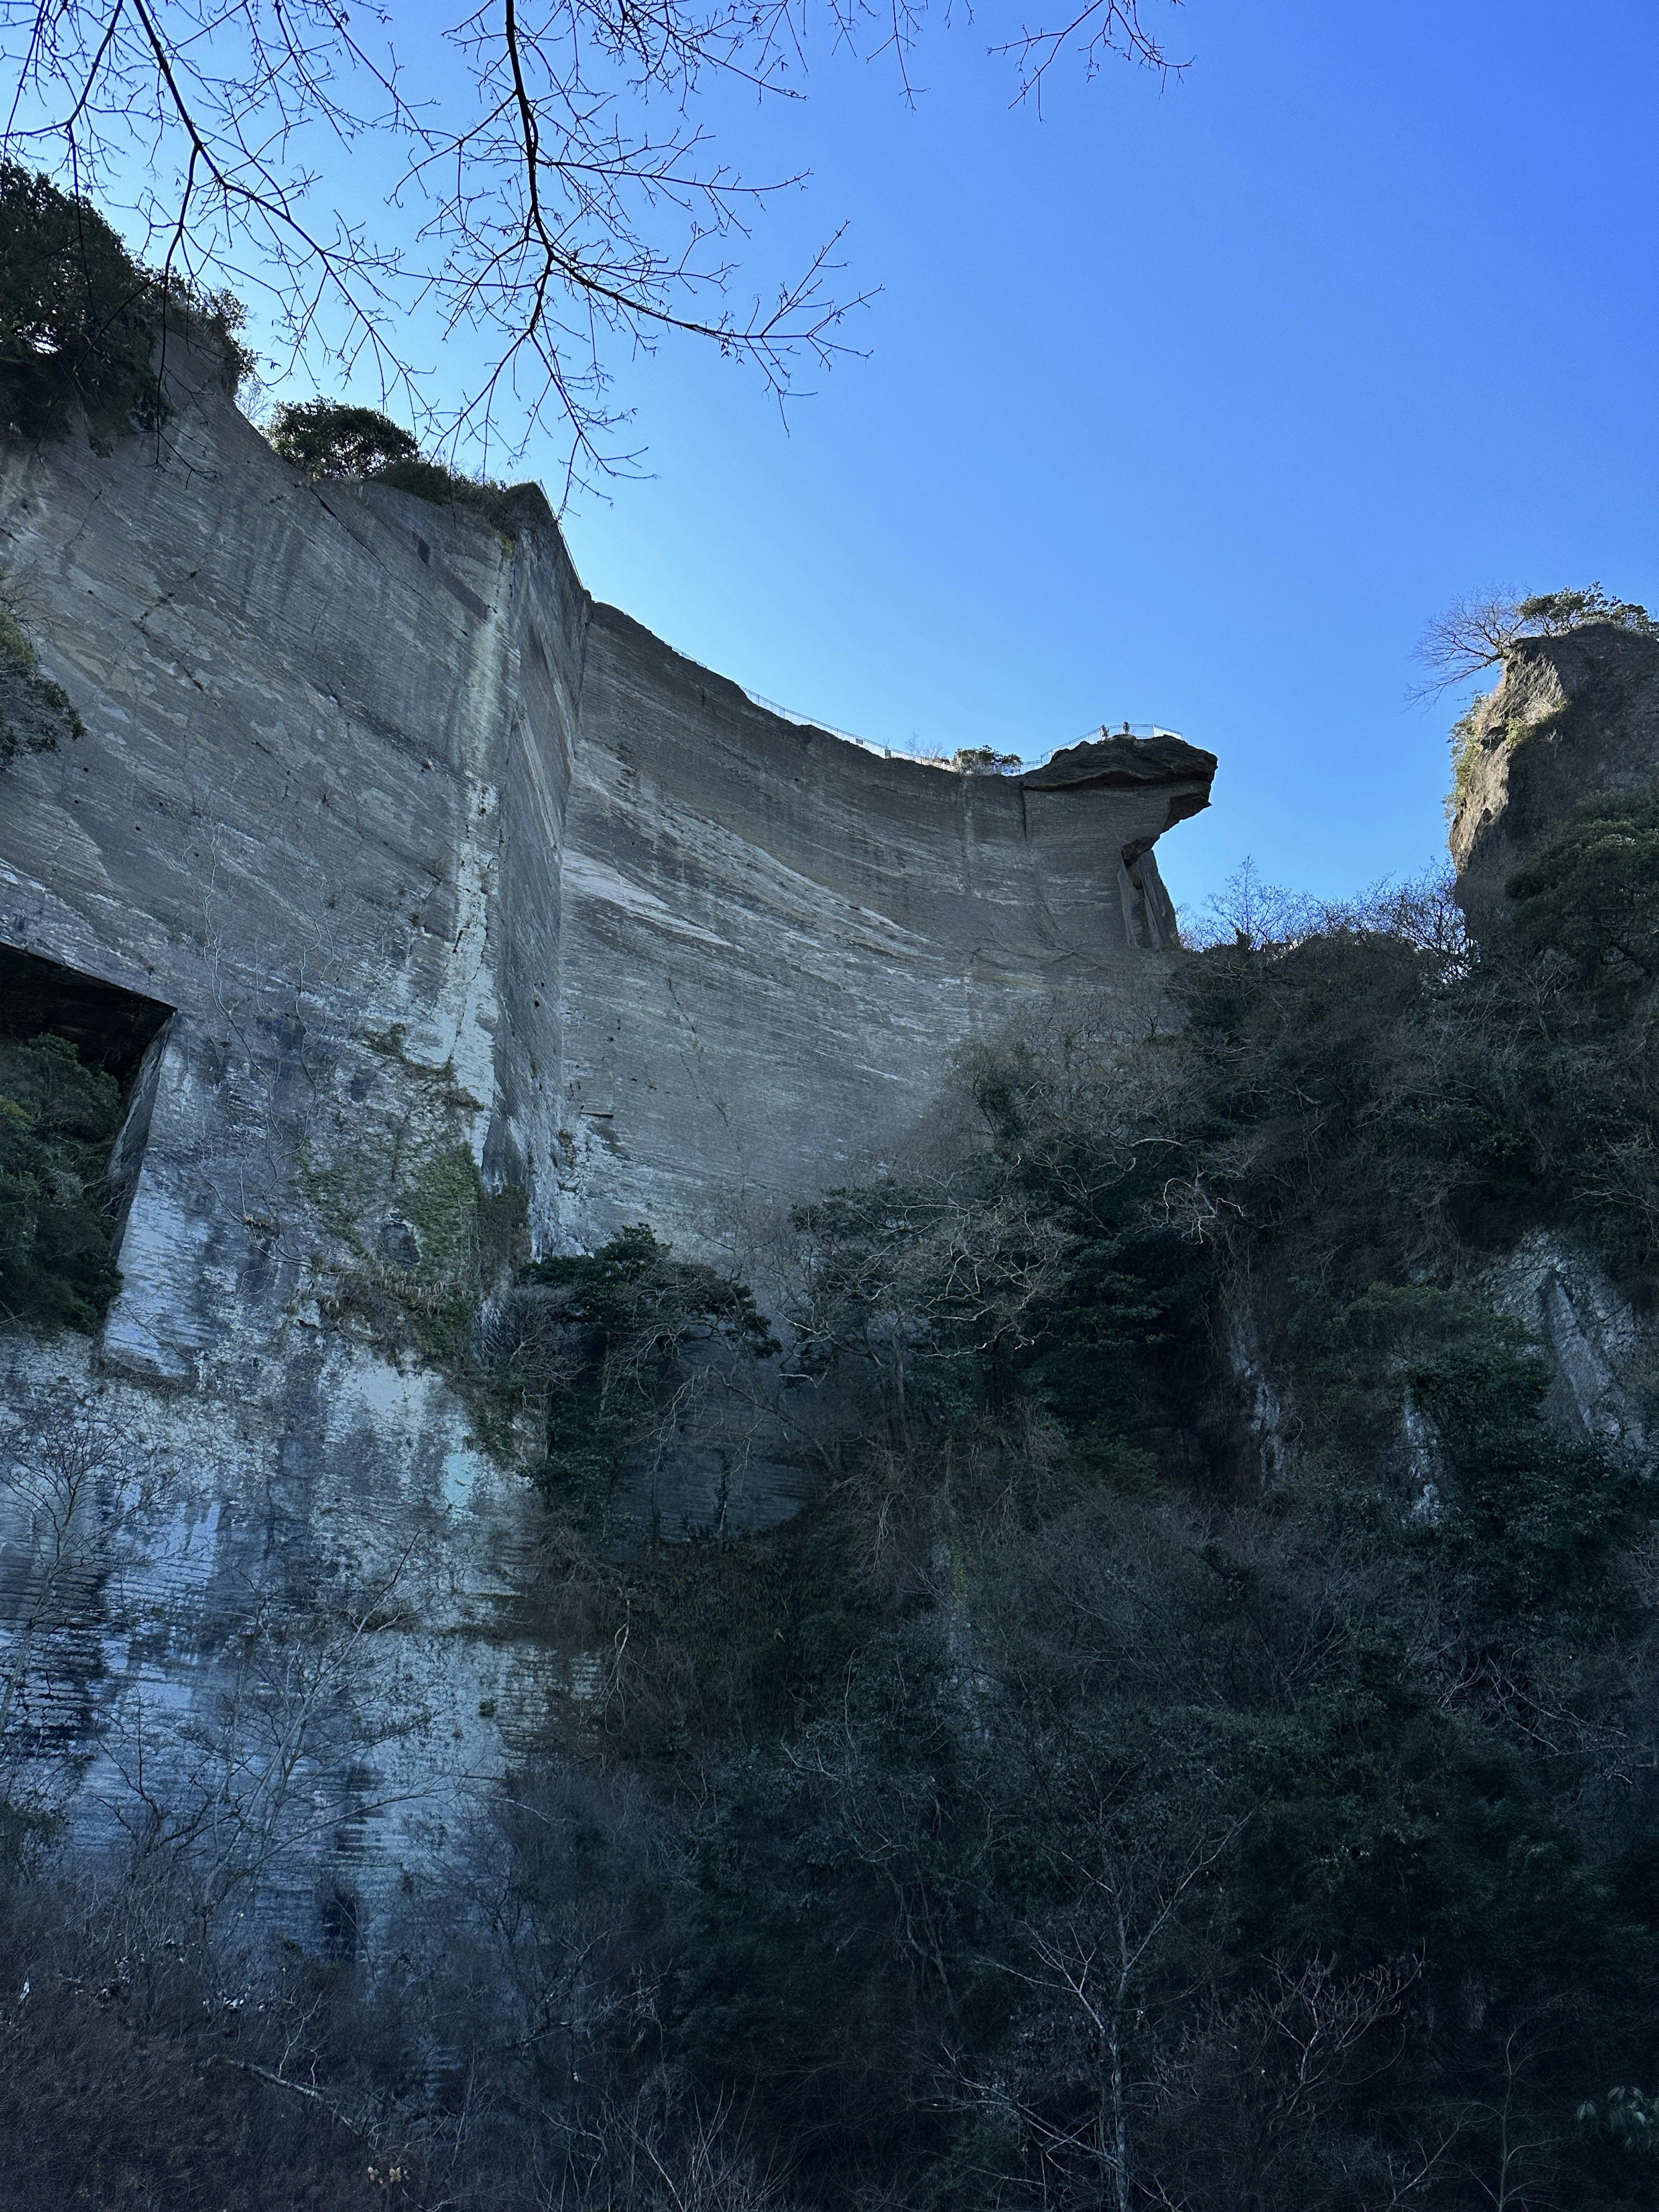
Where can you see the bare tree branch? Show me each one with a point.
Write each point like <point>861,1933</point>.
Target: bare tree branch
<point>553,197</point>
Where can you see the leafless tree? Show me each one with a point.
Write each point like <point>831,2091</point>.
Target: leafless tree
<point>1471,636</point>
<point>1087,1963</point>
<point>1480,631</point>
<point>550,187</point>
<point>659,2151</point>
<point>214,1802</point>
<point>1248,2107</point>
<point>881,1275</point>
<point>72,1486</point>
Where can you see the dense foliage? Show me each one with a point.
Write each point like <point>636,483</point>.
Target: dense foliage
<point>327,438</point>
<point>331,438</point>
<point>603,1343</point>
<point>1198,1751</point>
<point>57,1120</point>
<point>82,324</point>
<point>36,714</point>
<point>1254,1811</point>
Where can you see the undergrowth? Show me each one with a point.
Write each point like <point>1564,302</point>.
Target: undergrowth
<point>58,1118</point>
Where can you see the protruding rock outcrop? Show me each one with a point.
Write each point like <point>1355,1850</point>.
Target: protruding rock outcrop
<point>1125,763</point>
<point>1575,716</point>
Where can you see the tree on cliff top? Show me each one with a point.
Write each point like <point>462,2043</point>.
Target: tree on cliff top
<point>1479,632</point>
<point>330,440</point>
<point>561,193</point>
<point>80,319</point>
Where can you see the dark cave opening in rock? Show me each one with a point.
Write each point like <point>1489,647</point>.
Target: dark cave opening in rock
<point>80,1068</point>
<point>110,1027</point>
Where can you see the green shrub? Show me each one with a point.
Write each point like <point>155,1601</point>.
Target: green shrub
<point>1593,893</point>
<point>432,481</point>
<point>80,321</point>
<point>607,1335</point>
<point>329,437</point>
<point>1553,614</point>
<point>727,1640</point>
<point>1537,1523</point>
<point>78,324</point>
<point>57,1120</point>
<point>35,713</point>
<point>326,438</point>
<point>1466,733</point>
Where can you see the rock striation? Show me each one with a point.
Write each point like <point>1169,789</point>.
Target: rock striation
<point>422,901</point>
<point>1574,715</point>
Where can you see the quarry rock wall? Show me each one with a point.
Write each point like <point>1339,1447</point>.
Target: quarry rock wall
<point>436,904</point>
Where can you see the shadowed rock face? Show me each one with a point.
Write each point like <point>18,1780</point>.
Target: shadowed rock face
<point>1574,716</point>
<point>435,878</point>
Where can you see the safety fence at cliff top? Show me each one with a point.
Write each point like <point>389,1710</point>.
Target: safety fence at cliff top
<point>931,759</point>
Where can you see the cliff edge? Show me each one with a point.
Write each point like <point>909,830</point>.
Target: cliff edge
<point>1574,715</point>
<point>431,916</point>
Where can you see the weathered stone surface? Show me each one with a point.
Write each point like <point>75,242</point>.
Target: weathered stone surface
<point>1574,715</point>
<point>1604,1356</point>
<point>773,940</point>
<point>453,881</point>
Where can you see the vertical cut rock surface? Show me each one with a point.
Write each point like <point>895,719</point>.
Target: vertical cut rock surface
<point>442,905</point>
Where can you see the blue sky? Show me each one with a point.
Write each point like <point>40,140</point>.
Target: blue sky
<point>1187,404</point>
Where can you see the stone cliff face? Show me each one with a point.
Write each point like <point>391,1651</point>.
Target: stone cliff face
<point>1574,715</point>
<point>424,894</point>
<point>773,940</point>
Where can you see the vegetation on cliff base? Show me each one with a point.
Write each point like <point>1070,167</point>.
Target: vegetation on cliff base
<point>1199,1751</point>
<point>1218,1805</point>
<point>601,1343</point>
<point>1592,896</point>
<point>57,1120</point>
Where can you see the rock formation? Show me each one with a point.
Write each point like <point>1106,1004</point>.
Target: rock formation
<point>425,905</point>
<point>1574,715</point>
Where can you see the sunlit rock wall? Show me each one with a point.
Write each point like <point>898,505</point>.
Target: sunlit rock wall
<point>456,884</point>
<point>1572,717</point>
<point>774,940</point>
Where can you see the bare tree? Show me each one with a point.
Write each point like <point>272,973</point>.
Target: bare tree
<point>944,1260</point>
<point>213,1802</point>
<point>659,2151</point>
<point>1480,631</point>
<point>551,188</point>
<point>1087,1964</point>
<point>1249,2106</point>
<point>71,1487</point>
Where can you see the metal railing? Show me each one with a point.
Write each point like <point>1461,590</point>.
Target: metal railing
<point>817,723</point>
<point>943,760</point>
